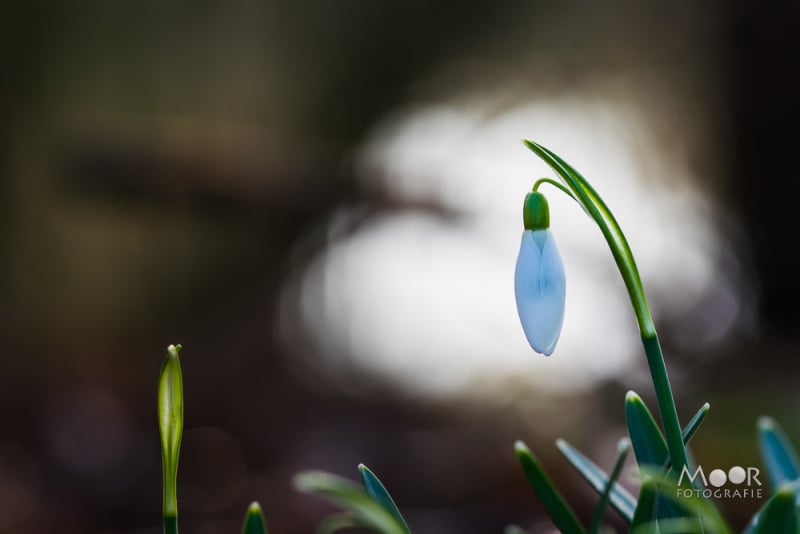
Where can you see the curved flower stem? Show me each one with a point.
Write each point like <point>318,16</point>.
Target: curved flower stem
<point>555,184</point>
<point>594,206</point>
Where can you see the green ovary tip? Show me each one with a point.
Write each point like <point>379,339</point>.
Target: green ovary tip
<point>536,212</point>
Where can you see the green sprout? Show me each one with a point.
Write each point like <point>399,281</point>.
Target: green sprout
<point>170,423</point>
<point>254,520</point>
<point>367,506</point>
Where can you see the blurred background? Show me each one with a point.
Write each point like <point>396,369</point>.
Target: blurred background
<point>322,202</point>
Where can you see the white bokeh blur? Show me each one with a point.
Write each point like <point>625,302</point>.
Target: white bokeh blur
<point>423,298</point>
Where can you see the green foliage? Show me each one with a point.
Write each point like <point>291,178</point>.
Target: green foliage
<point>621,501</point>
<point>695,422</point>
<point>377,491</point>
<point>779,515</point>
<point>662,505</point>
<point>699,514</point>
<point>557,508</point>
<point>254,520</point>
<point>780,458</point>
<point>600,510</point>
<point>364,511</point>
<point>336,522</point>
<point>646,507</point>
<point>649,446</point>
<point>654,511</point>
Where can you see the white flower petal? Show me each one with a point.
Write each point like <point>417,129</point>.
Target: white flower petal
<point>540,289</point>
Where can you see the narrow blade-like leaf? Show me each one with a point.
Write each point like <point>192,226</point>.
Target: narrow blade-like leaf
<point>649,446</point>
<point>690,429</point>
<point>379,494</point>
<point>336,522</point>
<point>794,488</point>
<point>780,458</point>
<point>622,453</point>
<point>254,520</point>
<point>695,422</point>
<point>692,506</point>
<point>557,508</point>
<point>779,515</point>
<point>621,501</point>
<point>644,518</point>
<point>651,517</point>
<point>674,525</point>
<point>349,496</point>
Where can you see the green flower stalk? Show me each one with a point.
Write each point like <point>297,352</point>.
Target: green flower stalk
<point>170,422</point>
<point>579,190</point>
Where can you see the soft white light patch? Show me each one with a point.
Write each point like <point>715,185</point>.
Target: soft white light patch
<point>428,301</point>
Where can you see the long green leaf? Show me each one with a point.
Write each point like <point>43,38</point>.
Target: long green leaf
<point>649,446</point>
<point>780,458</point>
<point>597,518</point>
<point>254,520</point>
<point>621,501</point>
<point>794,488</point>
<point>644,518</point>
<point>691,429</point>
<point>379,494</point>
<point>693,506</point>
<point>695,422</point>
<point>557,508</point>
<point>336,522</point>
<point>779,515</point>
<point>349,496</point>
<point>673,525</point>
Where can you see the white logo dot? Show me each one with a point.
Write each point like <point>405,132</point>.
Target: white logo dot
<point>737,474</point>
<point>717,478</point>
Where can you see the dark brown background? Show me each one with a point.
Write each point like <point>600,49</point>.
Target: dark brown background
<point>161,163</point>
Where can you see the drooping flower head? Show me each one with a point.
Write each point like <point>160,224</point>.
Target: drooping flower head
<point>539,284</point>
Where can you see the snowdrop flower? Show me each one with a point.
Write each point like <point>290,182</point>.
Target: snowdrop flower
<point>539,283</point>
